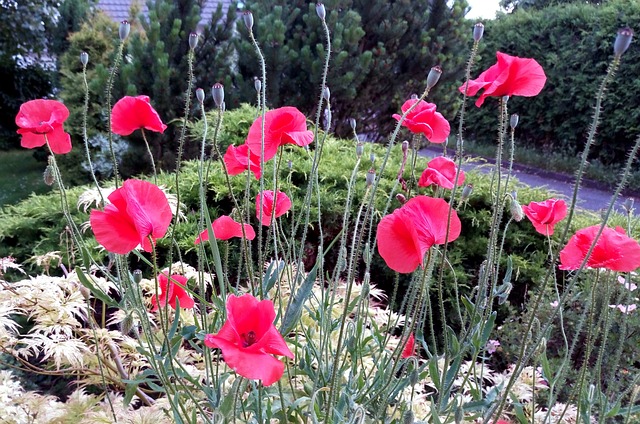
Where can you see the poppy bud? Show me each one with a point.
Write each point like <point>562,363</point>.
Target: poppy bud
<point>320,10</point>
<point>352,123</point>
<point>516,210</point>
<point>84,58</point>
<point>193,40</point>
<point>401,198</point>
<point>408,417</point>
<point>628,204</point>
<point>371,176</point>
<point>434,76</point>
<point>247,17</point>
<point>514,121</point>
<point>366,289</point>
<point>123,31</point>
<point>623,40</point>
<point>414,377</point>
<point>359,149</point>
<point>217,91</point>
<point>326,94</point>
<point>466,192</point>
<point>372,158</point>
<point>48,176</point>
<point>478,31</point>
<point>137,276</point>
<point>405,147</point>
<point>414,96</point>
<point>126,325</point>
<point>200,95</point>
<point>366,256</point>
<point>257,84</point>
<point>85,292</point>
<point>505,99</point>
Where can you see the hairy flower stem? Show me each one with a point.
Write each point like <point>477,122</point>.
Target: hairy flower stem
<point>153,162</point>
<point>112,75</point>
<point>85,138</point>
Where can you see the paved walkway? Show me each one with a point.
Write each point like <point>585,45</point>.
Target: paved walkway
<point>591,196</point>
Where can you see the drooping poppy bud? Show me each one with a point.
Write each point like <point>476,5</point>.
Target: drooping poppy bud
<point>49,176</point>
<point>247,17</point>
<point>217,91</point>
<point>623,41</point>
<point>513,121</point>
<point>516,210</point>
<point>193,40</point>
<point>84,58</point>
<point>200,95</point>
<point>434,76</point>
<point>321,11</point>
<point>478,31</point>
<point>123,31</point>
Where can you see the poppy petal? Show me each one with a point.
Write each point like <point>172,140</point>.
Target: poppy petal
<point>114,230</point>
<point>132,113</point>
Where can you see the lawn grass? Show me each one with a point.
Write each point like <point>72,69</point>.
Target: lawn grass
<point>20,175</point>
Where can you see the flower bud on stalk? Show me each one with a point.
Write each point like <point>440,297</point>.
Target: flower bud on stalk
<point>84,58</point>
<point>371,176</point>
<point>513,121</point>
<point>257,84</point>
<point>516,210</point>
<point>401,198</point>
<point>623,41</point>
<point>326,93</point>
<point>137,276</point>
<point>372,158</point>
<point>48,176</point>
<point>200,95</point>
<point>321,11</point>
<point>628,205</point>
<point>434,76</point>
<point>123,31</point>
<point>352,123</point>
<point>217,91</point>
<point>359,149</point>
<point>193,40</point>
<point>405,147</point>
<point>478,31</point>
<point>247,17</point>
<point>466,192</point>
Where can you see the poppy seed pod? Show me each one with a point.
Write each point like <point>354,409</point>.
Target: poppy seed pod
<point>247,17</point>
<point>137,276</point>
<point>84,58</point>
<point>123,31</point>
<point>217,92</point>
<point>623,40</point>
<point>478,31</point>
<point>414,96</point>
<point>321,11</point>
<point>200,95</point>
<point>434,76</point>
<point>513,121</point>
<point>359,149</point>
<point>371,176</point>
<point>405,147</point>
<point>466,192</point>
<point>352,123</point>
<point>372,157</point>
<point>193,40</point>
<point>401,198</point>
<point>257,84</point>
<point>326,93</point>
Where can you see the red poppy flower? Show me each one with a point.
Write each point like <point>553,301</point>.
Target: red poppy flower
<point>138,209</point>
<point>424,119</point>
<point>441,171</point>
<point>614,250</point>
<point>405,235</point>
<point>172,290</point>
<point>248,339</point>
<point>511,76</point>
<point>225,228</point>
<point>286,125</point>
<point>278,205</point>
<point>545,215</point>
<point>410,347</point>
<point>38,118</point>
<point>132,113</point>
<point>239,159</point>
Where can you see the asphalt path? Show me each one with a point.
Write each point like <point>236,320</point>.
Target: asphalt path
<point>591,195</point>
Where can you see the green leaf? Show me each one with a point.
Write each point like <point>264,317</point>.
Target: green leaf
<point>95,291</point>
<point>294,310</point>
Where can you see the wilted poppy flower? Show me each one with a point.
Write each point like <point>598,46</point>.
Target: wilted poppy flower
<point>441,171</point>
<point>40,118</point>
<point>277,205</point>
<point>171,290</point>
<point>239,159</point>
<point>225,228</point>
<point>133,113</point>
<point>286,125</point>
<point>410,348</point>
<point>424,119</point>
<point>614,250</point>
<point>545,215</point>
<point>405,235</point>
<point>137,210</point>
<point>511,76</point>
<point>248,339</point>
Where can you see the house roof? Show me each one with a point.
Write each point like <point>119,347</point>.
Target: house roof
<point>118,10</point>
